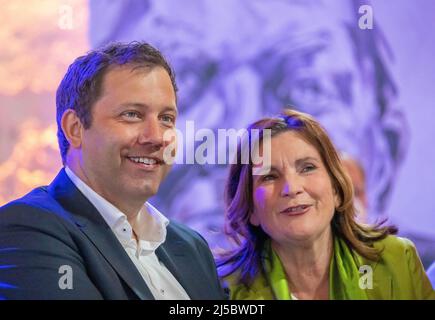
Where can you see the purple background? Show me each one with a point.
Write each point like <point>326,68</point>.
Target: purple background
<point>236,61</point>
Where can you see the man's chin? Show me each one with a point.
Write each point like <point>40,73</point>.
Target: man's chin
<point>140,191</point>
<point>147,192</point>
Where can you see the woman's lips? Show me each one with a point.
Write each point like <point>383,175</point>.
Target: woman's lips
<point>296,210</point>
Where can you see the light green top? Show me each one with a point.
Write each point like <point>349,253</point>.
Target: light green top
<point>398,274</point>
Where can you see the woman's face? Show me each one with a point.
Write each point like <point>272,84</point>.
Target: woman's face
<point>295,201</point>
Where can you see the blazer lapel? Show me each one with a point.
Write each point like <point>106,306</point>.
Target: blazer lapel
<point>172,253</point>
<point>99,233</point>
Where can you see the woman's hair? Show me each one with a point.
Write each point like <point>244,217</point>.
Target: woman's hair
<point>250,239</point>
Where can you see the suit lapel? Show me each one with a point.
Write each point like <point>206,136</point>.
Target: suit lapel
<point>115,254</point>
<point>172,253</point>
<point>98,232</point>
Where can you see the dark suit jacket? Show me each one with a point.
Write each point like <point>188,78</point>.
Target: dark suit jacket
<point>56,225</point>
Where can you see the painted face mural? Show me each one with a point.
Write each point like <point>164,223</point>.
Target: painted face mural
<point>240,60</point>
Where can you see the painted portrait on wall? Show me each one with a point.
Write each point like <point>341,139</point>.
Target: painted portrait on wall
<point>237,61</point>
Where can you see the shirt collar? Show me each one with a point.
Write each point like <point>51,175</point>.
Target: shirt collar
<point>150,224</point>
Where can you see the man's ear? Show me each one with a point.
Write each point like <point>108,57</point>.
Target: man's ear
<point>72,128</point>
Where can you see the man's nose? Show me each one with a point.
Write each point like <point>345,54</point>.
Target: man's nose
<point>152,134</point>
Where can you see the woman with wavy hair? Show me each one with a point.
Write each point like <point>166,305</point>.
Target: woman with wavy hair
<point>295,230</point>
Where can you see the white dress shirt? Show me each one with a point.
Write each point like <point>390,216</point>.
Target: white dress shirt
<point>150,229</point>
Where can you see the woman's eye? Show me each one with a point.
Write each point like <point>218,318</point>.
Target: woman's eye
<point>308,168</point>
<point>268,177</point>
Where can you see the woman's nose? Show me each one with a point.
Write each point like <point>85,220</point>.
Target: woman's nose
<point>291,187</point>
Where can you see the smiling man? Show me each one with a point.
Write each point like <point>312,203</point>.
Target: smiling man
<point>91,234</point>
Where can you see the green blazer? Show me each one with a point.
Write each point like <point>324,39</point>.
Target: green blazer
<point>398,275</point>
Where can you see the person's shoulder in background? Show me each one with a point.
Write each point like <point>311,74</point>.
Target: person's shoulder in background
<point>431,274</point>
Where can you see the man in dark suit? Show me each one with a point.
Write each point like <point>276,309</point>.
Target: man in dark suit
<point>91,234</point>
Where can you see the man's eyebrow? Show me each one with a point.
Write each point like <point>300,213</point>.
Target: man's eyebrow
<point>144,106</point>
<point>133,104</point>
<point>171,108</point>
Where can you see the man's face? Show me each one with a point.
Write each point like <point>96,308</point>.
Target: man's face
<point>122,151</point>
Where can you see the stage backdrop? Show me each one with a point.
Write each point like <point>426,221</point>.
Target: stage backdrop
<point>368,82</point>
